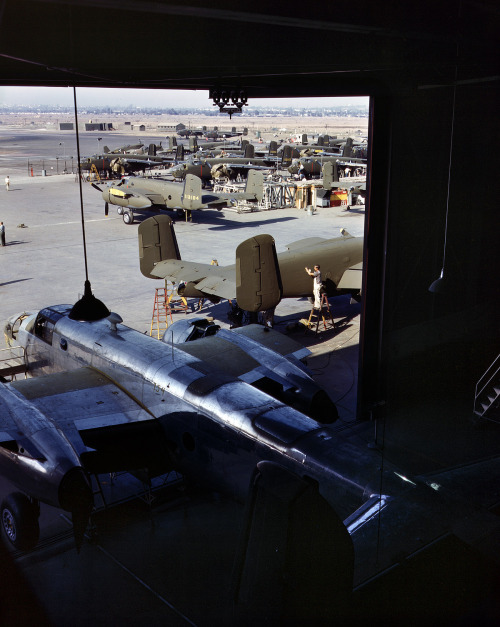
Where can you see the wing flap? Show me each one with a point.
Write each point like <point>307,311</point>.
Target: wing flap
<point>82,399</point>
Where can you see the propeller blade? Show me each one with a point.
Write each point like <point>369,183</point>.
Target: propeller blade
<point>96,187</point>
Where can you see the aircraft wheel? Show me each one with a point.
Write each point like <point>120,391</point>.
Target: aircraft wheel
<point>128,217</point>
<point>106,208</point>
<point>180,213</point>
<point>20,521</point>
<point>119,211</point>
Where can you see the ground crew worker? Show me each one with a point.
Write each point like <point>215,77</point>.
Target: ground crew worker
<point>317,285</point>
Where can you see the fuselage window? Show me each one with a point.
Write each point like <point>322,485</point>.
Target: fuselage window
<point>44,329</point>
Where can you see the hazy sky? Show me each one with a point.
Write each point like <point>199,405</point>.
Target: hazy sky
<point>142,98</point>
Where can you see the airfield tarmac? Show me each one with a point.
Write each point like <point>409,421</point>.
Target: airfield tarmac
<point>169,563</point>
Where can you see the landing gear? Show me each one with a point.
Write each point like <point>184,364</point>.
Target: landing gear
<point>128,217</point>
<point>106,208</point>
<point>119,211</point>
<point>20,521</point>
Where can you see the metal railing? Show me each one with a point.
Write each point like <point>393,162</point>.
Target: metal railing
<point>485,381</point>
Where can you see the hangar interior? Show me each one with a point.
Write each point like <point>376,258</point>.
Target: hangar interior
<point>431,71</point>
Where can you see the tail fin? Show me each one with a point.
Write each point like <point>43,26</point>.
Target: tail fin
<point>193,143</point>
<point>179,153</point>
<point>295,560</point>
<point>245,131</point>
<point>330,174</point>
<point>273,148</point>
<point>244,143</point>
<point>172,142</point>
<point>249,151</point>
<point>191,196</point>
<point>157,242</point>
<point>348,150</point>
<point>321,140</point>
<point>304,138</point>
<point>255,184</point>
<point>152,150</point>
<point>258,279</point>
<point>286,160</point>
<point>106,150</point>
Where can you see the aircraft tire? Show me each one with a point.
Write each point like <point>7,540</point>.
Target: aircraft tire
<point>119,211</point>
<point>128,217</point>
<point>20,521</point>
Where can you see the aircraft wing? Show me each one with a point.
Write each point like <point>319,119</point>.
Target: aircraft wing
<point>77,401</point>
<point>214,280</point>
<point>305,243</point>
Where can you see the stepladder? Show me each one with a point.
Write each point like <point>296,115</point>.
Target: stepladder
<point>322,314</point>
<point>161,312</point>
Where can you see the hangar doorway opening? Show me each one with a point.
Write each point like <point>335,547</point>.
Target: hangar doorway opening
<point>313,153</point>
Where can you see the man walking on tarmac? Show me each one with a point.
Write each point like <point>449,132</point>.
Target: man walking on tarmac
<point>2,234</point>
<point>7,183</point>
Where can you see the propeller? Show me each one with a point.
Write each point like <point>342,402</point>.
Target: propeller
<point>96,187</point>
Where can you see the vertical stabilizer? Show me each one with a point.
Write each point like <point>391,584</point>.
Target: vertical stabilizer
<point>255,184</point>
<point>273,148</point>
<point>157,242</point>
<point>249,151</point>
<point>258,278</point>
<point>191,196</point>
<point>286,159</point>
<point>295,564</point>
<point>348,149</point>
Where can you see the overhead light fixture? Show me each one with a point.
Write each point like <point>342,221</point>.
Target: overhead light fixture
<point>229,101</point>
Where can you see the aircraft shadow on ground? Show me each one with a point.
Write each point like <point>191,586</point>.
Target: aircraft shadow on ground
<point>227,225</point>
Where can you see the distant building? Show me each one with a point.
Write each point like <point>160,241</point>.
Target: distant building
<point>99,126</point>
<point>171,128</point>
<point>66,126</point>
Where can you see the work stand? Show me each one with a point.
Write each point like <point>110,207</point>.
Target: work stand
<point>323,314</point>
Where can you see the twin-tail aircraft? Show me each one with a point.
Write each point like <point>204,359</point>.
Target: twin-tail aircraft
<point>340,259</point>
<point>137,194</point>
